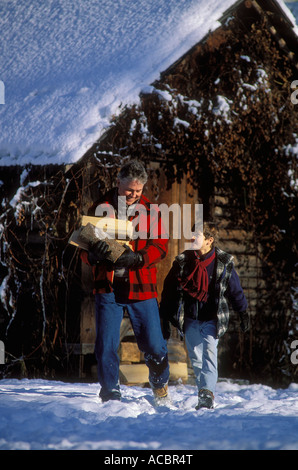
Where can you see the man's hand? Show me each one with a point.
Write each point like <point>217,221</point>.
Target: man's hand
<point>98,252</point>
<point>129,259</point>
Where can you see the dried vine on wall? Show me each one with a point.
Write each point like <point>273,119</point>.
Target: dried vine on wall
<point>40,275</point>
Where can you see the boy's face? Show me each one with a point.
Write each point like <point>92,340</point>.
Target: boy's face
<point>197,241</point>
<point>201,243</point>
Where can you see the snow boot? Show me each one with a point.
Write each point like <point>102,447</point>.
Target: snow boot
<point>115,395</point>
<point>160,395</point>
<point>206,399</point>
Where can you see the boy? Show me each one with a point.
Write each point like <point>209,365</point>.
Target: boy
<point>195,299</point>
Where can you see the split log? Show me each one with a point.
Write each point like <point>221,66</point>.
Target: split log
<point>89,236</point>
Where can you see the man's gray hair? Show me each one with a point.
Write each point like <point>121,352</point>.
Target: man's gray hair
<point>134,170</point>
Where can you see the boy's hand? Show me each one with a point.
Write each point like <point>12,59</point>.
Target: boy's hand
<point>244,321</point>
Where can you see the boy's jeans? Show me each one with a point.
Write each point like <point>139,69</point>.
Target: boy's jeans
<point>201,342</point>
<point>144,316</point>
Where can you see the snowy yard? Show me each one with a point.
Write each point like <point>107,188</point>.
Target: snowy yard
<point>67,70</point>
<point>44,415</point>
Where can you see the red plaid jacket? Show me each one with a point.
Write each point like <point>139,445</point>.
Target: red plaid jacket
<point>147,223</point>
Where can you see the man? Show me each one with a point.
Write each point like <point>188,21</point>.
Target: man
<point>195,299</point>
<point>129,283</point>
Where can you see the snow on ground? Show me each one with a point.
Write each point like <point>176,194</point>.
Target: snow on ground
<point>45,415</point>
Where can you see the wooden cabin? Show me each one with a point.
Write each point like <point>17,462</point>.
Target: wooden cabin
<point>220,131</point>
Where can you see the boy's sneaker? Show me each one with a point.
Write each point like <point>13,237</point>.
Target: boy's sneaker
<point>206,399</point>
<point>114,395</point>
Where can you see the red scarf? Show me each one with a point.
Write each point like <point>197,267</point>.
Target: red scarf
<point>196,283</point>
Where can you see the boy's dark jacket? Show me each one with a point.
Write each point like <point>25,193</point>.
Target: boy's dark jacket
<point>175,304</point>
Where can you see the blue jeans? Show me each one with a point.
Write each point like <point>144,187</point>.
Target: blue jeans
<point>201,341</point>
<point>144,317</point>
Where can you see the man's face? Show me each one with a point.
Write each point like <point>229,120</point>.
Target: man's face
<point>132,190</point>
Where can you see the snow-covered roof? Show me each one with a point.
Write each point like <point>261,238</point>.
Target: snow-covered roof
<point>67,65</point>
<point>293,7</point>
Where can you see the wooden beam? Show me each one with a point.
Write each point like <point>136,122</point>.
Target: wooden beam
<point>276,34</point>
